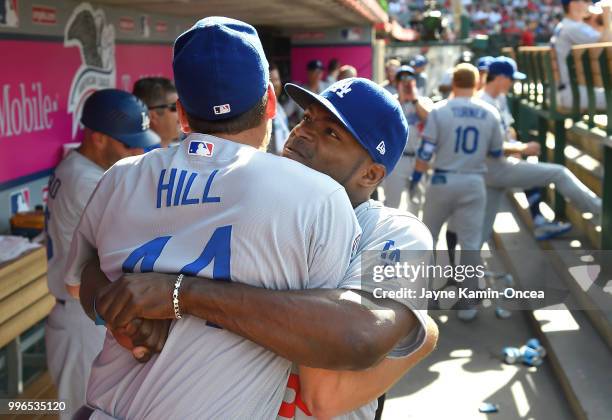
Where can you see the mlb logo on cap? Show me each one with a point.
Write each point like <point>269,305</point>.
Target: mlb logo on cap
<point>201,148</point>
<point>20,201</point>
<point>222,109</point>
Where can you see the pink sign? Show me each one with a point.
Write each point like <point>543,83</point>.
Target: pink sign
<point>359,56</point>
<point>43,90</point>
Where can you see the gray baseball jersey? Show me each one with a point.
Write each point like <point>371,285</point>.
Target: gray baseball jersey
<point>223,210</point>
<point>566,34</point>
<point>463,131</point>
<point>389,235</point>
<point>501,104</point>
<point>70,187</point>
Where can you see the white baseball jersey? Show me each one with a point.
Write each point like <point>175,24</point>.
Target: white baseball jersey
<point>70,187</point>
<point>389,236</point>
<point>464,131</point>
<point>223,210</point>
<point>566,34</point>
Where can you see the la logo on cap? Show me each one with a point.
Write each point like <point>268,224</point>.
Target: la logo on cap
<point>222,109</point>
<point>381,147</point>
<point>146,122</point>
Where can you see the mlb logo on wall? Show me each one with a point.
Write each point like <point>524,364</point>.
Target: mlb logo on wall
<point>20,201</point>
<point>201,148</point>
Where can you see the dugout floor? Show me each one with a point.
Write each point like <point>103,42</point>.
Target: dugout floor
<point>465,370</point>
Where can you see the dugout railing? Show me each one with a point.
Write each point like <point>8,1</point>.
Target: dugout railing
<point>579,137</point>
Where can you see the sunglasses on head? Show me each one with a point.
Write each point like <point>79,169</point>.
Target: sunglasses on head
<point>171,107</point>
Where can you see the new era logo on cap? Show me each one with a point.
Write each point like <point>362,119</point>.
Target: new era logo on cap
<point>381,148</point>
<point>201,148</point>
<point>222,109</point>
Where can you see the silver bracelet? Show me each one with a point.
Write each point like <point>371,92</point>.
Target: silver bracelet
<point>175,295</point>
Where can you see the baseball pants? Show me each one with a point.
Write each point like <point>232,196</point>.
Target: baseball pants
<point>73,341</point>
<point>398,182</point>
<point>566,98</point>
<point>462,197</point>
<point>515,173</point>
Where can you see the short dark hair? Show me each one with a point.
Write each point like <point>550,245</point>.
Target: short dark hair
<point>153,90</point>
<point>333,65</point>
<point>247,120</point>
<point>566,8</point>
<point>490,77</point>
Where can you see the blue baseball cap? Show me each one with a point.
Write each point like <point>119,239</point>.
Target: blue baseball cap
<point>120,115</point>
<point>220,69</point>
<point>371,114</point>
<point>404,70</point>
<point>314,65</point>
<point>505,66</point>
<point>484,62</point>
<point>419,61</point>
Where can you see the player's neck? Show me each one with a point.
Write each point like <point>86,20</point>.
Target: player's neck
<point>463,92</point>
<point>574,16</point>
<point>86,150</point>
<point>491,90</point>
<point>254,137</point>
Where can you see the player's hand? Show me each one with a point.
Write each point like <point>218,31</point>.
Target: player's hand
<point>532,148</point>
<point>141,295</point>
<point>143,337</point>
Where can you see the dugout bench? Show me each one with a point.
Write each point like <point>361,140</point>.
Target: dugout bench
<point>25,302</point>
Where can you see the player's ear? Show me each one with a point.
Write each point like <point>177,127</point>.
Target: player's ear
<point>182,117</point>
<point>271,105</point>
<point>99,140</point>
<point>153,117</point>
<point>373,174</point>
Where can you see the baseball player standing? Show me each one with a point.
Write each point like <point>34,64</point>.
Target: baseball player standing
<point>415,108</point>
<point>232,213</point>
<point>460,132</point>
<point>72,342</point>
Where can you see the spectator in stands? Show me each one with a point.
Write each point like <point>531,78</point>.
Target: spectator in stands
<point>333,68</point>
<point>572,30</point>
<point>528,36</point>
<point>159,95</point>
<point>419,63</point>
<point>347,71</point>
<point>391,67</point>
<point>280,123</point>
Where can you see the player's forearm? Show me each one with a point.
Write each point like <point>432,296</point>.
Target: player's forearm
<point>296,325</point>
<point>92,280</point>
<point>328,394</point>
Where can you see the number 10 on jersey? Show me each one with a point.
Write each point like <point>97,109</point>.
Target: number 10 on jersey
<point>466,139</point>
